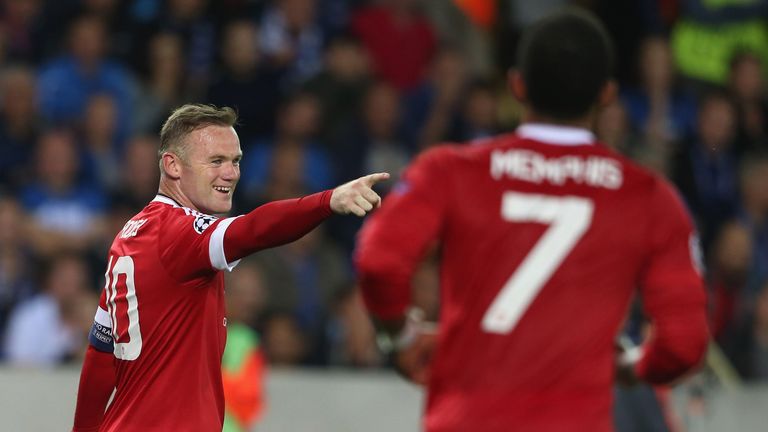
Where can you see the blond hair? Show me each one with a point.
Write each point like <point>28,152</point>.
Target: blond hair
<point>188,118</point>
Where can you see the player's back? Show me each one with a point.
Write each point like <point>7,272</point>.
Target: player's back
<point>542,248</point>
<point>543,237</point>
<point>165,306</point>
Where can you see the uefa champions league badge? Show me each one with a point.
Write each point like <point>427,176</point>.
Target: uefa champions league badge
<point>202,222</point>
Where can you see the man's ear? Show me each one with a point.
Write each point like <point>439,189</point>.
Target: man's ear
<point>517,85</point>
<point>608,93</point>
<point>171,164</point>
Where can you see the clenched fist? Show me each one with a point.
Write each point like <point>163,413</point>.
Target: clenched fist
<point>357,197</point>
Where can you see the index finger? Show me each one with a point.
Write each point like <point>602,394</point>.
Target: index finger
<point>372,179</point>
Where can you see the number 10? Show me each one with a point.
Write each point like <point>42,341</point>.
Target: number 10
<point>125,321</point>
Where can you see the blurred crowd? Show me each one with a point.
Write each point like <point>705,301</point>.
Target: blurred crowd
<point>328,90</point>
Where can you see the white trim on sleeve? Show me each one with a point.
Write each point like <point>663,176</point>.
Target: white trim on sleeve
<point>216,246</point>
<point>102,318</point>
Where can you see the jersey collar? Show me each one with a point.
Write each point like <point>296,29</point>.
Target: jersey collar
<point>555,134</point>
<point>165,200</point>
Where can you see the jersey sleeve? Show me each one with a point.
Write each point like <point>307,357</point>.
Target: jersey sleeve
<point>196,243</point>
<point>192,244</point>
<point>395,238</point>
<point>672,291</point>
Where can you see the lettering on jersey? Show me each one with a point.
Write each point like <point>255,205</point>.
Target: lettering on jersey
<point>101,338</point>
<point>534,167</point>
<point>131,228</point>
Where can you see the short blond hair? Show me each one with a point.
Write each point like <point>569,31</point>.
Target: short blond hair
<point>188,118</point>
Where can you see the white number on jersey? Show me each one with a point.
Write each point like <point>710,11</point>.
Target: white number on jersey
<point>117,291</point>
<point>568,218</point>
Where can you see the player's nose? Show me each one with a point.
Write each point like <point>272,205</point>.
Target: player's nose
<point>231,172</point>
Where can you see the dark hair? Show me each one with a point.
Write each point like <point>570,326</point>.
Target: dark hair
<point>188,118</point>
<point>565,59</point>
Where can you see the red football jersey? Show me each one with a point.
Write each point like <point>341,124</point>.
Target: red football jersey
<point>164,301</point>
<point>544,237</point>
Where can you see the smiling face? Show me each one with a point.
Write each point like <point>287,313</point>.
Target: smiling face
<point>210,168</point>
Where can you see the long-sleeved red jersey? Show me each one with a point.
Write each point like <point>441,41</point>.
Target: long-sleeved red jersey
<point>544,237</point>
<point>163,302</point>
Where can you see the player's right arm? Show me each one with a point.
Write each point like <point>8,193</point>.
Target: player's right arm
<point>97,379</point>
<point>673,293</point>
<point>390,246</point>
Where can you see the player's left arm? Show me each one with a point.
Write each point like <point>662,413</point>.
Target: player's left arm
<point>97,378</point>
<point>673,294</point>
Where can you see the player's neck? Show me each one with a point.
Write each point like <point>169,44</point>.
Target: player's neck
<point>172,190</point>
<point>585,122</point>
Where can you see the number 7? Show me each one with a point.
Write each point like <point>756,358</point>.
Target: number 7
<point>568,218</point>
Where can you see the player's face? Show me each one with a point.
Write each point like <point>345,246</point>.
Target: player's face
<point>211,168</point>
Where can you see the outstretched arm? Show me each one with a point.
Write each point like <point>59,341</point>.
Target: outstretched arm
<point>284,221</point>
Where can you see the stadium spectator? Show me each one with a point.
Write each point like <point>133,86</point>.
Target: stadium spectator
<point>399,39</point>
<point>164,279</point>
<point>433,105</point>
<point>352,334</point>
<point>304,278</point>
<point>65,214</point>
<point>747,88</point>
<point>708,34</point>
<point>340,88</point>
<point>165,85</point>
<point>100,148</point>
<point>284,342</point>
<point>753,213</point>
<point>660,112</point>
<point>67,82</point>
<point>19,123</point>
<point>478,115</point>
<point>292,40</point>
<point>138,178</point>
<point>729,272</point>
<point>532,242</point>
<point>612,127</point>
<point>16,268</point>
<point>246,82</point>
<point>46,329</point>
<point>705,167</point>
<point>373,140</point>
<point>292,154</point>
<point>138,182</point>
<point>22,29</point>
<point>189,21</point>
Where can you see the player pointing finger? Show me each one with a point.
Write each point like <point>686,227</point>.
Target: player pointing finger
<point>357,197</point>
